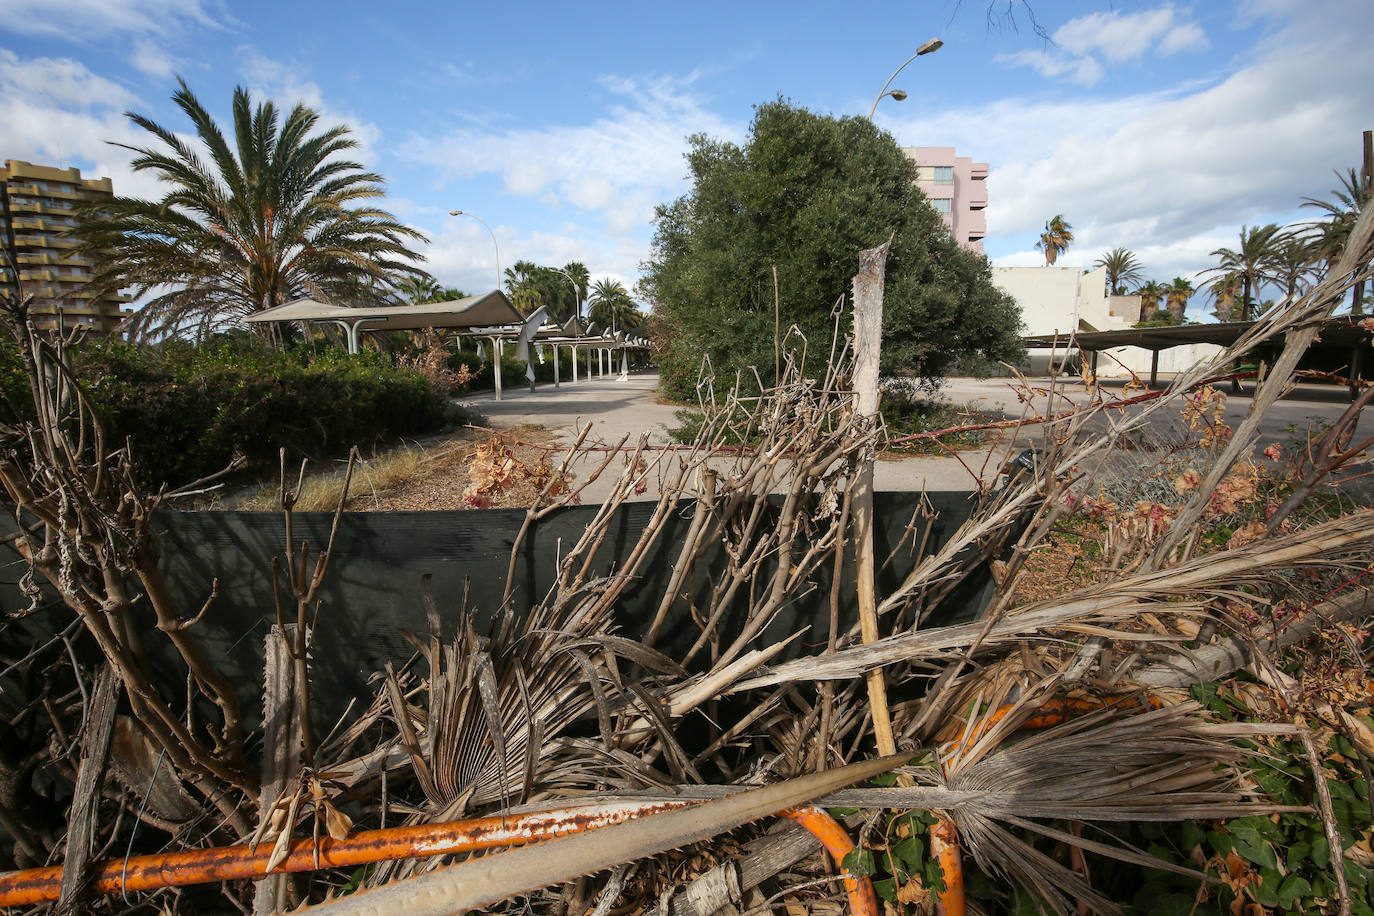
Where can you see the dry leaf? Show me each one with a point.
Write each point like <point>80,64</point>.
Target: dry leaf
<point>336,822</point>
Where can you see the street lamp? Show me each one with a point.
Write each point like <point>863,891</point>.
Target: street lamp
<point>933,45</point>
<point>577,294</point>
<point>493,240</point>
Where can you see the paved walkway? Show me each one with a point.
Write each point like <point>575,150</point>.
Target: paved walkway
<point>617,408</point>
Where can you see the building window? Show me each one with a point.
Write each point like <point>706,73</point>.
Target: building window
<point>942,205</point>
<point>944,174</point>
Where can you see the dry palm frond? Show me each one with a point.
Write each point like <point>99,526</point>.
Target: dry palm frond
<point>1166,764</point>
<point>498,705</point>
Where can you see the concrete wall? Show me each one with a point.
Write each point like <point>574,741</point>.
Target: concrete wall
<point>1061,300</point>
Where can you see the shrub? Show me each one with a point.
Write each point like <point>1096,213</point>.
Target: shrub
<point>189,410</point>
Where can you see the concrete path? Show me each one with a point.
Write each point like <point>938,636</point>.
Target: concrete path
<point>618,408</point>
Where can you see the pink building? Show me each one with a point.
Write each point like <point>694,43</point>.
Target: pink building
<point>957,187</point>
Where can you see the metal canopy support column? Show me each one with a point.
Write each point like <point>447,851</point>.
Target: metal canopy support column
<point>574,362</point>
<point>555,365</point>
<point>496,364</point>
<point>1154,367</point>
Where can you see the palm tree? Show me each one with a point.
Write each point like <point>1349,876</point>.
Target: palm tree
<point>276,215</point>
<point>611,306</point>
<point>1150,293</point>
<point>1122,269</point>
<point>1333,232</point>
<point>1056,238</point>
<point>419,289</point>
<point>579,274</point>
<point>1178,292</point>
<point>1225,289</point>
<point>521,283</point>
<point>1252,262</point>
<point>1295,262</point>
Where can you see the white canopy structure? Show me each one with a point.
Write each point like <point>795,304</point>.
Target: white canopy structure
<point>489,317</point>
<point>489,310</point>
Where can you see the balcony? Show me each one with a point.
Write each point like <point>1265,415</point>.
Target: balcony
<point>974,224</point>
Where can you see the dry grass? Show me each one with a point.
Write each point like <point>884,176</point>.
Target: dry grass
<point>414,476</point>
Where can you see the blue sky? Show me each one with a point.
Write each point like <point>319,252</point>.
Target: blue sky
<point>1163,127</point>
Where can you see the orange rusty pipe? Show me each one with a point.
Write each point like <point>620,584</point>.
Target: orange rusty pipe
<point>944,845</point>
<point>944,838</point>
<point>863,901</point>
<point>227,863</point>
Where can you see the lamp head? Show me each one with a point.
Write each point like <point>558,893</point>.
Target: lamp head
<point>898,95</point>
<point>934,44</point>
<point>455,213</point>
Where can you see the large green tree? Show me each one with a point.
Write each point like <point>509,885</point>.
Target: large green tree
<point>276,214</point>
<point>805,194</point>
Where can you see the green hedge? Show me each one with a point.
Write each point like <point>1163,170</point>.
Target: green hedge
<point>189,410</point>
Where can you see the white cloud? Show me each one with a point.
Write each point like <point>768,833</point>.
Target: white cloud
<point>151,58</point>
<point>272,79</point>
<point>1085,71</point>
<point>1188,37</point>
<point>1114,37</point>
<point>56,112</point>
<point>462,255</point>
<point>59,81</point>
<point>91,19</point>
<point>618,166</point>
<point>1174,173</point>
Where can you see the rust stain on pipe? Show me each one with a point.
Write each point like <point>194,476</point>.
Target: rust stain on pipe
<point>227,863</point>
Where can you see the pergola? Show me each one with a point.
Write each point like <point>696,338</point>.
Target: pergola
<point>1344,334</point>
<point>489,310</point>
<point>488,317</point>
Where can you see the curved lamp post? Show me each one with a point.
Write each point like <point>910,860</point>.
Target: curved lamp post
<point>577,293</point>
<point>933,45</point>
<point>493,239</point>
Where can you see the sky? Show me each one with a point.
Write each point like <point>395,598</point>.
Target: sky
<point>1160,127</point>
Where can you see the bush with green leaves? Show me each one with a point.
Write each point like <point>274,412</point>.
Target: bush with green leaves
<point>804,195</point>
<point>189,410</point>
